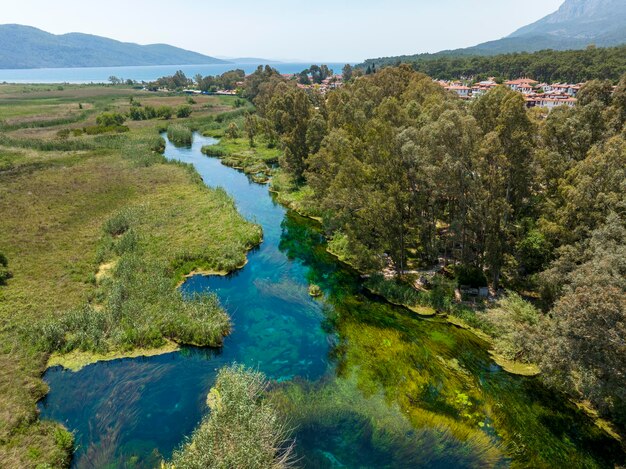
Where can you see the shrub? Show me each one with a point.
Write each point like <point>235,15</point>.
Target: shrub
<point>127,243</point>
<point>150,112</point>
<point>119,223</point>
<point>63,134</point>
<point>232,131</point>
<point>5,273</point>
<point>513,321</point>
<point>110,119</point>
<point>183,111</point>
<point>136,113</point>
<point>165,112</point>
<point>157,144</point>
<point>230,116</point>
<point>241,431</point>
<point>179,135</point>
<point>97,129</point>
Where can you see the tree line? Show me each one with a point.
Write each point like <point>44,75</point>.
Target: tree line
<point>407,176</point>
<point>551,66</point>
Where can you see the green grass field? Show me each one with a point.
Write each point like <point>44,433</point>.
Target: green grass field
<point>56,196</point>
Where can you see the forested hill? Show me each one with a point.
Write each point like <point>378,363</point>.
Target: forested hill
<point>28,47</point>
<point>575,25</point>
<point>573,66</point>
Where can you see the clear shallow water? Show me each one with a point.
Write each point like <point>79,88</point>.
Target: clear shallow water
<point>139,73</point>
<point>365,383</point>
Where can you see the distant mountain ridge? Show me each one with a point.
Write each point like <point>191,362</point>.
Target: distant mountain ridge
<point>575,25</point>
<point>29,47</point>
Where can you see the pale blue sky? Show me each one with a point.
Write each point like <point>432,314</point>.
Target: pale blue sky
<point>320,30</point>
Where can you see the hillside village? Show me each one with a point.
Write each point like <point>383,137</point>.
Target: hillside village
<point>536,94</point>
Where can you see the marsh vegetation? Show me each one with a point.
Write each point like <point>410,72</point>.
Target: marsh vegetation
<point>75,201</point>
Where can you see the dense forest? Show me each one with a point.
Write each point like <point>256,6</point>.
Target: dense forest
<point>407,177</point>
<point>551,66</point>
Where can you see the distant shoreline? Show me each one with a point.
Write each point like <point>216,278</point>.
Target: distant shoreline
<point>86,75</point>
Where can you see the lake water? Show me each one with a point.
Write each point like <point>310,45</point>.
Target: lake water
<point>143,73</point>
<point>365,384</point>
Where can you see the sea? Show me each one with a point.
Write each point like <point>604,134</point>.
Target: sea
<point>140,73</point>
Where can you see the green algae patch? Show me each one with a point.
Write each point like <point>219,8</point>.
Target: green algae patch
<point>77,360</point>
<point>515,367</point>
<point>210,273</point>
<point>458,322</point>
<point>315,291</point>
<point>422,310</point>
<point>601,423</point>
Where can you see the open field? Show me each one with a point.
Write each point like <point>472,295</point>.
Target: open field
<point>56,194</point>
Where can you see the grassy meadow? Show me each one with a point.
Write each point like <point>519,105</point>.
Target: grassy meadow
<point>98,229</point>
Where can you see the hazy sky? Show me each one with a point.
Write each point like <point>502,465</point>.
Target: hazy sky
<point>321,30</point>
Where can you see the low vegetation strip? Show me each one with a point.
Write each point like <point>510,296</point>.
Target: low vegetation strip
<point>136,306</point>
<point>242,431</point>
<point>179,134</point>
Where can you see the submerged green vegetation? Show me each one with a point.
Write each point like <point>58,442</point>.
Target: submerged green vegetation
<point>242,431</point>
<point>98,229</point>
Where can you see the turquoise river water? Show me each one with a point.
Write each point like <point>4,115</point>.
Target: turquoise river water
<point>365,383</point>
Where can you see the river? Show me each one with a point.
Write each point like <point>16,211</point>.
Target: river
<point>365,383</point>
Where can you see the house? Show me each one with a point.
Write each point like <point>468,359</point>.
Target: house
<point>549,102</point>
<point>524,83</point>
<point>461,90</point>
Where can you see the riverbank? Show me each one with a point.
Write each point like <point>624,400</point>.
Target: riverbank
<point>57,191</point>
<point>77,360</point>
<point>297,199</point>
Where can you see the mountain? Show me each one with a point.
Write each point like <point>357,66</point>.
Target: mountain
<point>575,25</point>
<point>28,47</point>
<point>602,22</point>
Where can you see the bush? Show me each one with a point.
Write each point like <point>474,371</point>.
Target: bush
<point>63,134</point>
<point>150,112</point>
<point>136,113</point>
<point>97,130</point>
<point>514,322</point>
<point>5,273</point>
<point>110,119</point>
<point>165,112</point>
<point>179,135</point>
<point>119,223</point>
<point>232,131</point>
<point>157,144</point>
<point>183,111</point>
